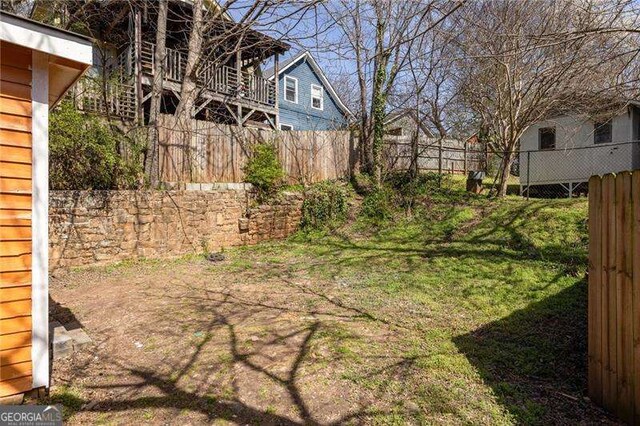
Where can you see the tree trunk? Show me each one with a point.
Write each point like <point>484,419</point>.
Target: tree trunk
<point>505,171</point>
<point>153,154</point>
<point>413,167</point>
<point>188,91</point>
<point>365,146</point>
<point>379,101</point>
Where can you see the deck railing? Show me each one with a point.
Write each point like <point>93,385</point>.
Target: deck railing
<point>219,79</point>
<point>117,97</point>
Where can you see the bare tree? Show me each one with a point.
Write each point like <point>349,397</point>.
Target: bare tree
<point>378,35</point>
<point>19,7</point>
<point>188,93</point>
<point>520,67</point>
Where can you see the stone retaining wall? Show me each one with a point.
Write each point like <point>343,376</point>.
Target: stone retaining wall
<point>102,227</point>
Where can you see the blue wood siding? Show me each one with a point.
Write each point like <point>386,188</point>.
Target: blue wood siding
<point>301,115</point>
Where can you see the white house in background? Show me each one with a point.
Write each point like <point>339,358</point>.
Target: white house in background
<point>567,150</point>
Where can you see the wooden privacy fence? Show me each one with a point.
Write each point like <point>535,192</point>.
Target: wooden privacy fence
<point>614,293</point>
<point>211,152</point>
<point>434,155</point>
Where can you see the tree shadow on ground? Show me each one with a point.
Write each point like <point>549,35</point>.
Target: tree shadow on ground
<point>535,359</point>
<point>487,238</point>
<point>224,317</point>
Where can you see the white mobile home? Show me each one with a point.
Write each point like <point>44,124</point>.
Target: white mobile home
<point>565,151</point>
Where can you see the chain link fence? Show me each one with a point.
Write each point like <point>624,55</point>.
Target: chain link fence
<point>565,172</point>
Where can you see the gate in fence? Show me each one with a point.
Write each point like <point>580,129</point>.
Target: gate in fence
<point>614,294</point>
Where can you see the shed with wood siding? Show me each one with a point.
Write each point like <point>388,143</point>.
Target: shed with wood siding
<point>38,64</point>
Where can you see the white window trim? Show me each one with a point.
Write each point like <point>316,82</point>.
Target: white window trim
<point>288,125</point>
<point>321,97</point>
<point>295,80</point>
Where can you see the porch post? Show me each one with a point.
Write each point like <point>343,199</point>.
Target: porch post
<point>137,43</point>
<point>240,85</point>
<point>39,220</point>
<point>276,77</point>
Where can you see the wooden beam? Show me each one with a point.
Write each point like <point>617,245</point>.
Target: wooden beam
<point>201,107</point>
<point>276,77</point>
<point>240,84</point>
<point>137,22</point>
<point>231,111</point>
<point>244,120</point>
<point>273,124</point>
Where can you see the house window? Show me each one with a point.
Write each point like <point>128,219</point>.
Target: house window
<point>602,132</point>
<point>317,97</point>
<point>547,138</point>
<point>290,89</point>
<point>286,126</point>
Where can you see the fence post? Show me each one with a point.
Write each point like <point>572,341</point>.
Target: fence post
<point>465,157</point>
<point>440,162</point>
<point>528,172</point>
<point>440,156</point>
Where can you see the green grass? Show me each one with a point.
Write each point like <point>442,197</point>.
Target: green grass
<point>458,309</point>
<point>70,399</point>
<point>492,291</point>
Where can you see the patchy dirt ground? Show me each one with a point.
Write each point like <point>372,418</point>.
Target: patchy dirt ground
<point>192,343</point>
<point>427,322</point>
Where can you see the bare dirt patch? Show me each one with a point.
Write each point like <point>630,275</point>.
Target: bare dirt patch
<point>191,342</point>
<point>425,322</point>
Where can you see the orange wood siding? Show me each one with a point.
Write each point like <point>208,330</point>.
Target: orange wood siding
<point>15,219</point>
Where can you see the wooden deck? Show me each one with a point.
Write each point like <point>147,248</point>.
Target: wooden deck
<point>223,85</point>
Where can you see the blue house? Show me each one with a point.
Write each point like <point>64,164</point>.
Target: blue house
<point>307,101</point>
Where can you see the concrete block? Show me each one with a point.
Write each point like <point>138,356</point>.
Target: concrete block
<point>80,338</point>
<point>61,343</point>
<point>52,326</point>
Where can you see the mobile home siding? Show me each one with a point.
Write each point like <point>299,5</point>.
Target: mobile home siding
<point>15,219</point>
<point>577,157</point>
<point>301,115</point>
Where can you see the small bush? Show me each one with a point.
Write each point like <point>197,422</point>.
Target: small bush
<point>84,153</point>
<point>378,205</point>
<point>363,183</point>
<point>408,190</point>
<point>325,204</point>
<point>263,170</point>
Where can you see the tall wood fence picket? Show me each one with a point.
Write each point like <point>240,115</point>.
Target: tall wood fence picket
<point>614,294</point>
<point>434,155</point>
<point>211,152</point>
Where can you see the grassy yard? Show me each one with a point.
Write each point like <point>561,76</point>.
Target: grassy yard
<point>470,312</point>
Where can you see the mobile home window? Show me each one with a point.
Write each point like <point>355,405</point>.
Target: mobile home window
<point>547,138</point>
<point>602,132</point>
<point>317,97</point>
<point>291,89</point>
<point>286,127</point>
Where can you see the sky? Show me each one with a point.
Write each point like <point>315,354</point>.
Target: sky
<point>312,30</point>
